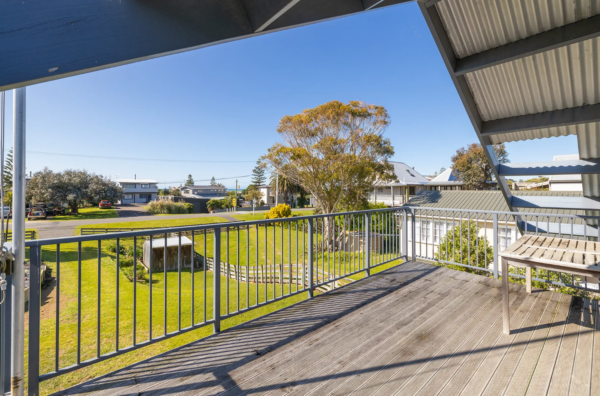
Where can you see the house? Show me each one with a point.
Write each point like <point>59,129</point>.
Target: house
<point>204,191</point>
<point>138,190</point>
<point>566,182</point>
<point>447,180</point>
<point>431,226</point>
<point>409,183</point>
<point>268,195</point>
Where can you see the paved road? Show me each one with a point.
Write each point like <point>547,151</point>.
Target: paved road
<point>64,228</point>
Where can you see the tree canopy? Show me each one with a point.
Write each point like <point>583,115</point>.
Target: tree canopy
<point>259,174</point>
<point>190,181</point>
<point>472,168</point>
<point>72,187</point>
<point>335,151</point>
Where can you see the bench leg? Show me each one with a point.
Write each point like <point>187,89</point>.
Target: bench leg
<point>528,279</point>
<point>505,307</point>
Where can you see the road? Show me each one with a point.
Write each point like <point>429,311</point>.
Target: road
<point>62,228</point>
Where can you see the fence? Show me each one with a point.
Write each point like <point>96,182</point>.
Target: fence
<point>117,305</point>
<point>29,235</point>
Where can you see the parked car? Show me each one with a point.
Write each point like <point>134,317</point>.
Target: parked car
<point>37,213</point>
<point>7,212</point>
<point>104,204</point>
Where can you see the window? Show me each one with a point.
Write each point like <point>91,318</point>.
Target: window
<point>127,196</point>
<point>505,235</point>
<point>128,185</point>
<point>145,185</point>
<point>410,173</point>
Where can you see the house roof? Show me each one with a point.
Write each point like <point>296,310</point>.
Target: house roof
<point>407,176</point>
<point>204,187</point>
<point>488,201</point>
<point>446,176</point>
<point>565,178</point>
<point>139,181</point>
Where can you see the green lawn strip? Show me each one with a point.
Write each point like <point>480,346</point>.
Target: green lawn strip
<point>157,223</point>
<point>88,214</point>
<point>261,216</point>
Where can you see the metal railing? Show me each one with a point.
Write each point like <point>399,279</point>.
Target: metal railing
<point>122,291</point>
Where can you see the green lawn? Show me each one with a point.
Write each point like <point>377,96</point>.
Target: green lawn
<point>261,216</point>
<point>158,223</point>
<point>87,214</point>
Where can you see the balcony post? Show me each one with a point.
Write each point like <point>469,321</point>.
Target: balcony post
<point>5,337</point>
<point>311,258</point>
<point>18,284</point>
<point>217,280</point>
<point>367,244</point>
<point>495,246</point>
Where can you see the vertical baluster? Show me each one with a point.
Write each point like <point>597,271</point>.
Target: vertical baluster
<point>165,286</point>
<point>192,265</point>
<point>78,303</point>
<point>257,265</point>
<point>57,320</point>
<point>35,305</point>
<point>118,305</point>
<point>150,269</point>
<point>495,246</point>
<point>217,280</point>
<point>248,266</point>
<point>179,281</point>
<point>99,299</point>
<point>134,290</point>
<point>297,256</point>
<point>310,258</point>
<point>281,255</point>
<point>368,244</point>
<point>266,261</point>
<point>237,271</point>
<point>204,274</point>
<point>289,257</point>
<point>227,273</point>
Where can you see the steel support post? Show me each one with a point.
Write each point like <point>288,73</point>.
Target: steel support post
<point>18,218</point>
<point>34,321</point>
<point>495,246</point>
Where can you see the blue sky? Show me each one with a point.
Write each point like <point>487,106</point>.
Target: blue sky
<point>223,103</point>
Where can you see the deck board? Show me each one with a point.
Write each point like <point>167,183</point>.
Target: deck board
<point>413,329</point>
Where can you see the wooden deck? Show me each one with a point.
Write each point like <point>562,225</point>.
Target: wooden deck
<point>413,330</point>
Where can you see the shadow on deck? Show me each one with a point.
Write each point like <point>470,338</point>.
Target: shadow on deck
<point>413,329</point>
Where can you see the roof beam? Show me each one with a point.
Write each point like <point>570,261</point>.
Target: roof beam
<point>565,35</point>
<point>436,27</point>
<point>571,167</point>
<point>286,6</point>
<point>555,202</point>
<point>548,119</point>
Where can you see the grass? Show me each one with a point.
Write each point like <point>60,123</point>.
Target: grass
<point>158,223</point>
<point>88,214</point>
<point>261,216</point>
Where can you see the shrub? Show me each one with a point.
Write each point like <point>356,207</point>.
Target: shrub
<point>278,212</point>
<point>189,207</point>
<point>140,274</point>
<point>215,204</point>
<point>167,207</point>
<point>112,247</point>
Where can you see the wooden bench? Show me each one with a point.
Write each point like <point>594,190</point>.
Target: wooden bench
<point>554,254</point>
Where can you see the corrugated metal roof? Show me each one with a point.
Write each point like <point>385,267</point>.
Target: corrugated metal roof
<point>407,175</point>
<point>445,176</point>
<point>565,178</point>
<point>561,78</point>
<point>486,200</point>
<point>558,79</point>
<point>474,26</point>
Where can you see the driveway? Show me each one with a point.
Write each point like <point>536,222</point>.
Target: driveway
<point>131,210</point>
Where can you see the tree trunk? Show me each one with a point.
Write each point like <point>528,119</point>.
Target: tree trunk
<point>74,208</point>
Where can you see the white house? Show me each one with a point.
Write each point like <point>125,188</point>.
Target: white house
<point>138,190</point>
<point>566,182</point>
<point>409,183</point>
<point>268,195</point>
<point>446,180</point>
<point>204,191</point>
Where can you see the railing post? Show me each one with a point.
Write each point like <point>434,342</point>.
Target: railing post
<point>217,280</point>
<point>495,246</point>
<point>311,258</point>
<point>367,244</point>
<point>34,320</point>
<point>413,228</point>
<point>5,339</point>
<point>405,234</point>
